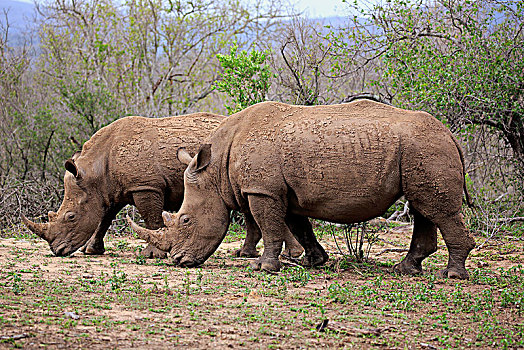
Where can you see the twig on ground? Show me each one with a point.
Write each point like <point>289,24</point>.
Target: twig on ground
<point>14,337</point>
<point>391,243</point>
<point>390,250</point>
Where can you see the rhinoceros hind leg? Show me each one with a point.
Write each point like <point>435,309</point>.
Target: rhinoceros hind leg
<point>150,205</point>
<point>292,247</point>
<point>152,252</point>
<point>253,236</point>
<point>459,243</point>
<point>303,231</point>
<point>423,244</point>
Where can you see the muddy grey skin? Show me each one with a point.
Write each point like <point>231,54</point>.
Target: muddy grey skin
<point>131,161</point>
<point>342,163</point>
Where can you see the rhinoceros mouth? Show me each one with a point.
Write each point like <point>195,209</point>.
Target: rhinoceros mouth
<point>64,249</point>
<point>61,250</point>
<point>185,260</point>
<point>189,263</point>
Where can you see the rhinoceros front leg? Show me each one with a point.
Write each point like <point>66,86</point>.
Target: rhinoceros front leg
<point>150,205</point>
<point>253,235</point>
<point>303,232</point>
<point>423,244</point>
<point>269,215</point>
<point>95,245</point>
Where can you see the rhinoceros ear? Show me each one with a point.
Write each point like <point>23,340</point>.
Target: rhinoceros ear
<point>72,168</point>
<point>183,156</point>
<point>76,155</point>
<point>203,158</point>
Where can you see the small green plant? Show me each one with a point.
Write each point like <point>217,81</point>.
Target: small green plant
<point>15,280</point>
<point>118,279</point>
<point>140,260</point>
<point>298,275</point>
<point>122,245</point>
<point>245,77</point>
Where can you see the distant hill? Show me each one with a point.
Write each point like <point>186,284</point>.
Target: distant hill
<point>19,15</point>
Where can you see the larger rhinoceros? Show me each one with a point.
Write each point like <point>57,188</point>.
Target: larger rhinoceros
<point>131,161</point>
<point>343,163</point>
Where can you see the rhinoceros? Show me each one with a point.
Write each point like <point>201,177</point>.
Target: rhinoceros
<point>131,161</point>
<point>343,163</point>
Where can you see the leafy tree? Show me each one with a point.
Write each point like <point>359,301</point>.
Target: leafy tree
<point>461,60</point>
<point>155,57</point>
<point>246,77</point>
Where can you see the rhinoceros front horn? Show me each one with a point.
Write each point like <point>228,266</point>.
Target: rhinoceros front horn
<point>155,237</point>
<point>38,229</point>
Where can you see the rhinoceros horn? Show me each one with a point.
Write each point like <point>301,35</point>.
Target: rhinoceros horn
<point>38,229</point>
<point>155,237</point>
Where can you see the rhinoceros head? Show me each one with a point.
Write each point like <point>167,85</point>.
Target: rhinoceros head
<point>79,215</point>
<point>196,231</point>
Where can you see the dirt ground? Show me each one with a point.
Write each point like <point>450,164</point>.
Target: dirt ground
<point>120,300</point>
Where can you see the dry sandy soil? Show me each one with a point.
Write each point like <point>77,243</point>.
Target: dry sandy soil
<point>120,300</point>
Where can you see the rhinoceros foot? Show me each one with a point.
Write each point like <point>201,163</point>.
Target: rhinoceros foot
<point>152,252</point>
<point>265,264</point>
<point>293,251</point>
<point>246,253</point>
<point>452,272</point>
<point>407,268</point>
<point>93,249</point>
<point>314,259</point>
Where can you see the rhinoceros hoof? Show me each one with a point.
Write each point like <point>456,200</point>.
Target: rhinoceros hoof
<point>93,250</point>
<point>460,274</point>
<point>293,252</point>
<point>270,265</point>
<point>404,268</point>
<point>314,260</point>
<point>152,252</point>
<point>245,253</point>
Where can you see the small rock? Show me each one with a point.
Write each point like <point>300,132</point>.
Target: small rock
<point>253,294</point>
<point>482,264</point>
<point>71,315</point>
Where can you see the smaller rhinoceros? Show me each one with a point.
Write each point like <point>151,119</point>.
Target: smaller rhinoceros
<point>342,163</point>
<point>131,161</point>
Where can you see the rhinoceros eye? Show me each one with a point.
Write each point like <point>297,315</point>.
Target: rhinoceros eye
<point>70,216</point>
<point>184,219</point>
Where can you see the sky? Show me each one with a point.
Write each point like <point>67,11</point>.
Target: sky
<point>312,8</point>
<point>321,8</point>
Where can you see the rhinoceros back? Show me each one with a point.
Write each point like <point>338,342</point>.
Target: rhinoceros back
<point>140,153</point>
<point>324,157</point>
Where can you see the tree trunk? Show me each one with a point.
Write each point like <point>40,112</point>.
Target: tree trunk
<point>515,135</point>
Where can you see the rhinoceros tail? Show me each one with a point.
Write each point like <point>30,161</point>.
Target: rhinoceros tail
<point>469,202</point>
